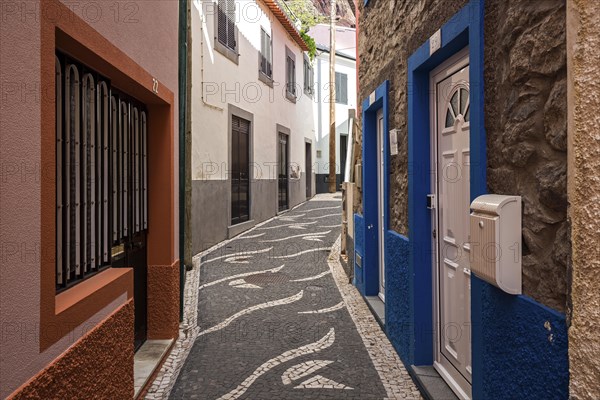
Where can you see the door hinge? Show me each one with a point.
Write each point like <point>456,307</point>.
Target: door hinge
<point>434,233</point>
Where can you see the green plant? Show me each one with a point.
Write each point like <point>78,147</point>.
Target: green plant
<point>305,12</point>
<point>310,42</point>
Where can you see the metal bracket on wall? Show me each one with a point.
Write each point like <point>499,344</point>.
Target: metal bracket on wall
<point>431,201</point>
<point>358,259</point>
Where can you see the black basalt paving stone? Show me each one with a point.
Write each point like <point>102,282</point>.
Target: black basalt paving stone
<point>219,361</point>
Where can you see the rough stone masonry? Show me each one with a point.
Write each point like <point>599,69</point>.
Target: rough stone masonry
<point>525,116</point>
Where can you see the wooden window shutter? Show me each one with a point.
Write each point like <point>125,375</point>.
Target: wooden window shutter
<point>231,24</point>
<point>222,22</point>
<point>344,89</point>
<point>269,56</point>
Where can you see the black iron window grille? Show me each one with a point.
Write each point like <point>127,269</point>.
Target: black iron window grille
<point>101,170</point>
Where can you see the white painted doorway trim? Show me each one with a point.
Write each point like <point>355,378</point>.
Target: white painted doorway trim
<point>381,214</point>
<point>457,382</point>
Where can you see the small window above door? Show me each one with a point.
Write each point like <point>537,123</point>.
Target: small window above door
<point>458,106</point>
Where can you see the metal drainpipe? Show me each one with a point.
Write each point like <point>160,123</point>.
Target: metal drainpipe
<point>319,109</point>
<point>206,103</point>
<point>183,21</point>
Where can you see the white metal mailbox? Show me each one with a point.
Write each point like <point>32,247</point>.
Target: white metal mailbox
<point>496,240</point>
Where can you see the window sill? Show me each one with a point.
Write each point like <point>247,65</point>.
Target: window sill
<point>290,96</point>
<point>238,228</point>
<point>227,52</point>
<point>116,277</point>
<point>265,79</point>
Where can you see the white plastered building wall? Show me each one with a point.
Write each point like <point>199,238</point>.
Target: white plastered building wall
<point>218,81</point>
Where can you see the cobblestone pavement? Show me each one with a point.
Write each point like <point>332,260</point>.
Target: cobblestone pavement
<point>270,315</point>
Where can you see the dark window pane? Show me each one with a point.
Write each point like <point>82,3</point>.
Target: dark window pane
<point>464,96</point>
<point>454,103</point>
<point>449,119</point>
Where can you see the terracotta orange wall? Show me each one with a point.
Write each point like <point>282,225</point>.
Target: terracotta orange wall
<point>103,355</point>
<point>147,32</point>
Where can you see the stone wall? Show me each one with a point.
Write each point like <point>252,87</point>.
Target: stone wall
<point>405,25</point>
<point>584,195</point>
<point>525,115</point>
<point>525,107</point>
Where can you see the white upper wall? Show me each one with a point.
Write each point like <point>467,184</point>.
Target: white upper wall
<point>345,38</point>
<point>345,51</point>
<point>218,81</point>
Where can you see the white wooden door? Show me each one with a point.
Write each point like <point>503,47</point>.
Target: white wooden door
<point>380,203</point>
<point>451,230</point>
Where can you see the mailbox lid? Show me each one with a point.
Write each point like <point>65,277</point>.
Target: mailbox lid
<point>491,203</point>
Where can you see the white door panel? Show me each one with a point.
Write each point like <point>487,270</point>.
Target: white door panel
<point>451,158</point>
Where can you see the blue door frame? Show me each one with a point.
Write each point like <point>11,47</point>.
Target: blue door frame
<point>376,101</point>
<point>464,29</point>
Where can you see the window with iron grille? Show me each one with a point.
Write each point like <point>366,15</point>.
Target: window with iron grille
<point>341,88</point>
<point>290,75</point>
<point>101,170</point>
<point>226,32</point>
<point>266,58</point>
<point>309,77</point>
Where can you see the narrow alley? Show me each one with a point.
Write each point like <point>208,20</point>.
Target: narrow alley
<point>279,320</point>
<point>299,199</point>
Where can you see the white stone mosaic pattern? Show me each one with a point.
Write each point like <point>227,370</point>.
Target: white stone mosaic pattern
<point>322,216</point>
<point>296,224</point>
<point>301,370</point>
<point>320,382</point>
<point>322,344</point>
<point>312,278</point>
<point>361,364</point>
<point>245,254</point>
<point>248,310</point>
<point>302,235</point>
<point>338,306</point>
<point>239,276</point>
<point>302,252</point>
<point>394,376</point>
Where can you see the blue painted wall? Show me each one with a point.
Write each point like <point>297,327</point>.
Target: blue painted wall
<point>399,324</point>
<point>523,349</point>
<point>359,246</point>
